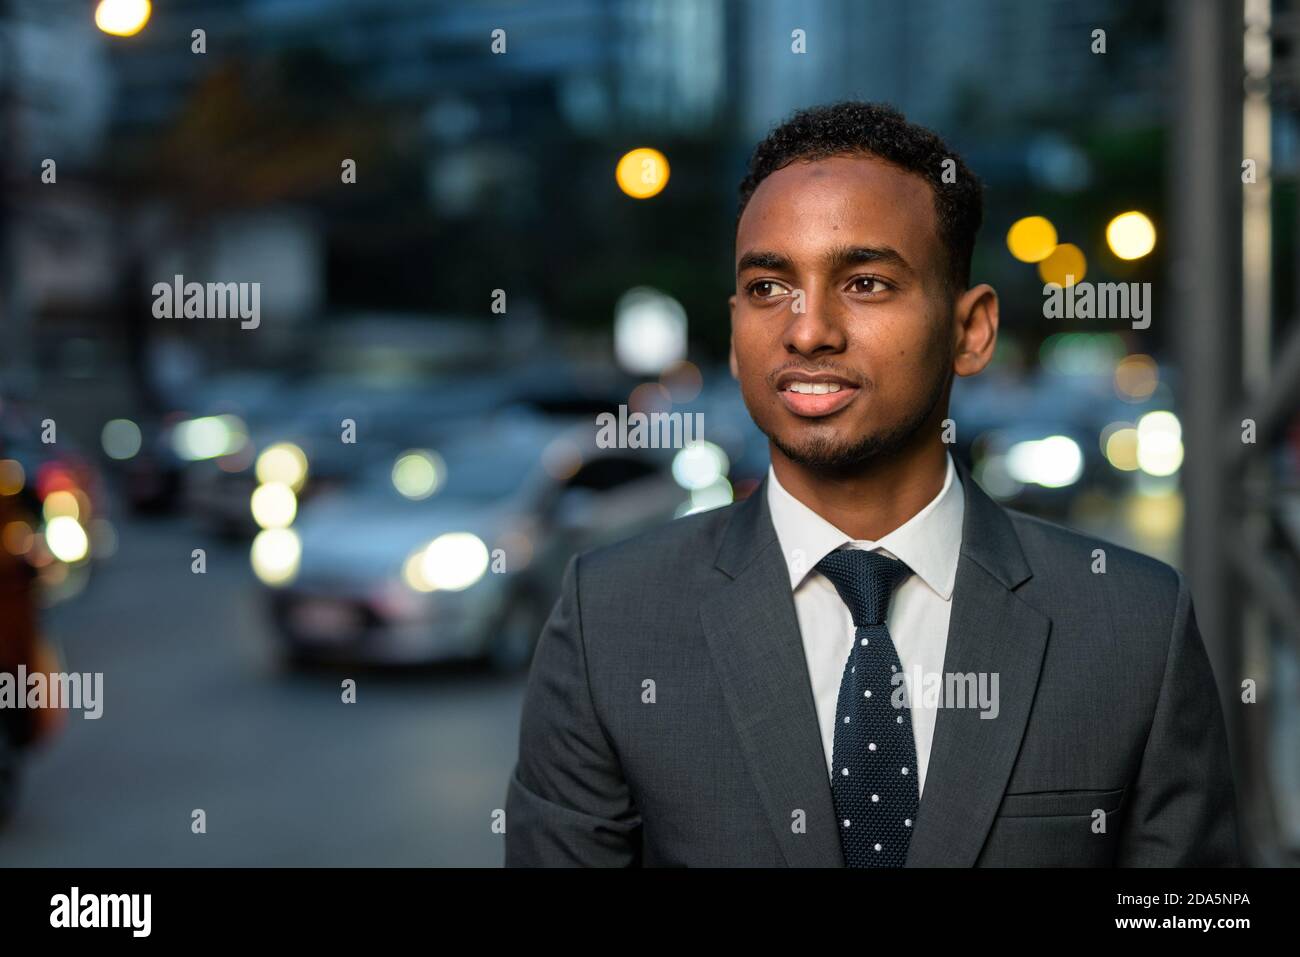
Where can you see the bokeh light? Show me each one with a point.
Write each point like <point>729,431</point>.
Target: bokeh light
<point>209,436</point>
<point>418,473</point>
<point>120,439</point>
<point>642,173</point>
<point>1119,443</point>
<point>60,503</point>
<point>1136,377</point>
<point>282,462</point>
<point>1065,266</point>
<point>17,537</point>
<point>274,505</point>
<point>1053,462</point>
<point>122,18</point>
<point>66,539</point>
<point>1131,235</point>
<point>699,465</point>
<point>276,555</point>
<point>1159,443</point>
<point>12,477</point>
<point>649,331</point>
<point>1031,239</point>
<point>454,561</point>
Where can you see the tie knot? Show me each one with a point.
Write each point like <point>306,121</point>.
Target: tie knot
<point>865,581</point>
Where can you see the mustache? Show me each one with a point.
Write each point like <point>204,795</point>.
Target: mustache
<point>852,375</point>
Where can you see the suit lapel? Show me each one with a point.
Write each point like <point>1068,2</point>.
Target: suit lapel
<point>753,636</point>
<point>991,631</point>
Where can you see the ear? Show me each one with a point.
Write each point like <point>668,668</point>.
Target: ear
<point>975,325</point>
<point>731,358</point>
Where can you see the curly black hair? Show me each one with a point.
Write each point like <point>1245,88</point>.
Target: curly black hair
<point>878,129</point>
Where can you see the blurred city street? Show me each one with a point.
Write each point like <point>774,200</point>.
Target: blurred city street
<point>197,714</point>
<point>392,318</point>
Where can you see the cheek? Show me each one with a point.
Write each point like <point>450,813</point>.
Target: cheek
<point>905,357</point>
<point>752,349</point>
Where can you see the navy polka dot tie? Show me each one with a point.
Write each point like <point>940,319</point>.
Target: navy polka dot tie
<point>873,780</point>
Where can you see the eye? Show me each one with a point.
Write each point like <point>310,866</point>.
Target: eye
<point>868,285</point>
<point>766,289</point>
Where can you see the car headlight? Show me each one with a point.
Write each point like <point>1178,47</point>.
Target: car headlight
<point>451,562</point>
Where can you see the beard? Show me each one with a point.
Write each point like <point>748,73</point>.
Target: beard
<point>828,455</point>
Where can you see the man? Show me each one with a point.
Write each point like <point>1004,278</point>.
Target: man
<point>747,686</point>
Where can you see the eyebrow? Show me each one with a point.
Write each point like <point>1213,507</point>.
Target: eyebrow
<point>836,258</point>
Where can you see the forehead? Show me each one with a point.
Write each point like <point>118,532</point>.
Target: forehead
<point>809,205</point>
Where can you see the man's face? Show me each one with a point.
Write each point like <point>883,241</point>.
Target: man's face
<point>841,324</point>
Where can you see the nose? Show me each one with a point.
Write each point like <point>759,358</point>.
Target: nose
<point>817,329</point>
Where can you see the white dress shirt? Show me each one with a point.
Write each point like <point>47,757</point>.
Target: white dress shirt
<point>929,543</point>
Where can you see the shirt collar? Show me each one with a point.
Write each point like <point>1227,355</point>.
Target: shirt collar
<point>929,542</point>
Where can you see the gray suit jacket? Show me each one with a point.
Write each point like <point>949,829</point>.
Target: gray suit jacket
<point>1107,702</point>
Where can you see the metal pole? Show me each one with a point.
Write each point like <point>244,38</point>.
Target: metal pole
<point>1205,204</point>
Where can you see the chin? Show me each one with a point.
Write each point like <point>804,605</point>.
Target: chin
<point>831,451</point>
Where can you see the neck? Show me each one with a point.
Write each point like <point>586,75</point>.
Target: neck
<point>869,504</point>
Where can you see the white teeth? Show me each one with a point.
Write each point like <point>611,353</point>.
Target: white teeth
<point>814,388</point>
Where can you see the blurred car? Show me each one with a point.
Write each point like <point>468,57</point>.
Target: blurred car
<point>389,414</point>
<point>151,463</point>
<point>307,424</point>
<point>467,563</point>
<point>1036,442</point>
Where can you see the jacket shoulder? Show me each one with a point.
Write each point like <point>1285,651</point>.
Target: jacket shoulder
<point>686,541</point>
<point>1062,554</point>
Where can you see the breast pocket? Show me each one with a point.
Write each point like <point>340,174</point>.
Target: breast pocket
<point>1055,829</point>
<point>1060,803</point>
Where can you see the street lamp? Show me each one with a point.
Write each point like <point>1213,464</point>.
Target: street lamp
<point>122,18</point>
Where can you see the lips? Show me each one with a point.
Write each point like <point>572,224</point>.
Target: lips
<point>815,394</point>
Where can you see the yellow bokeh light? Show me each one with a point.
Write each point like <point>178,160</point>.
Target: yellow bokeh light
<point>1131,235</point>
<point>66,539</point>
<point>12,477</point>
<point>61,503</point>
<point>417,474</point>
<point>282,462</point>
<point>1031,239</point>
<point>1160,443</point>
<point>122,18</point>
<point>1065,266</point>
<point>413,572</point>
<point>1121,448</point>
<point>274,505</point>
<point>642,173</point>
<point>275,555</point>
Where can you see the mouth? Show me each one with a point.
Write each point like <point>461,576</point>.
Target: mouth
<point>813,395</point>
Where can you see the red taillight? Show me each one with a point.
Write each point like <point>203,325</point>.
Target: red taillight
<point>54,477</point>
